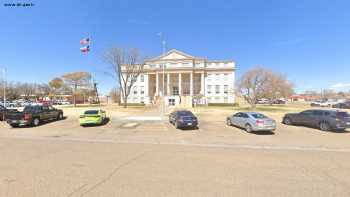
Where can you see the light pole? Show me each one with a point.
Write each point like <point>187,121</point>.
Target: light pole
<point>4,88</point>
<point>163,67</point>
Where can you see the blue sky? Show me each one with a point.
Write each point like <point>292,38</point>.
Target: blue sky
<point>308,41</point>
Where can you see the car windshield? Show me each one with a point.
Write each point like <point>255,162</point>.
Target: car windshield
<point>185,113</point>
<point>91,112</point>
<point>259,116</point>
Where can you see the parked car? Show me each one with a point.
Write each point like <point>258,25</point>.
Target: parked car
<point>33,115</point>
<point>263,101</point>
<point>322,119</point>
<point>92,117</point>
<point>251,121</point>
<point>324,103</point>
<point>278,101</point>
<point>343,105</point>
<point>183,118</point>
<point>61,102</point>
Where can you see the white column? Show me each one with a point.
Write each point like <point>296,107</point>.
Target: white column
<point>180,89</point>
<point>191,84</point>
<point>157,84</point>
<point>168,84</point>
<point>202,83</point>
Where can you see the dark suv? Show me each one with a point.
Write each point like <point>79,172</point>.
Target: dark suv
<point>33,115</point>
<point>343,105</point>
<point>323,119</point>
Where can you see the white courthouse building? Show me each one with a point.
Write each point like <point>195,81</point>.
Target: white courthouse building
<point>187,79</point>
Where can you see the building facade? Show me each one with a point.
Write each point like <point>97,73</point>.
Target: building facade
<point>182,79</point>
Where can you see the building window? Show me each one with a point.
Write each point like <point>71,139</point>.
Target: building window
<point>225,77</point>
<point>185,64</point>
<point>217,76</point>
<point>142,90</point>
<point>142,78</point>
<point>175,90</point>
<point>217,89</point>
<point>135,89</point>
<point>225,100</point>
<point>142,100</point>
<point>225,89</point>
<point>209,77</point>
<point>217,99</point>
<point>209,89</point>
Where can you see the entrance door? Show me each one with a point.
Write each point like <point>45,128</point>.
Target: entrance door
<point>171,102</point>
<point>175,90</point>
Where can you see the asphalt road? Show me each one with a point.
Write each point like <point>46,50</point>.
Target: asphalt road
<point>40,167</point>
<point>152,158</point>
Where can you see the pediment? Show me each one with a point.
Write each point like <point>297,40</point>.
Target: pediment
<point>174,55</point>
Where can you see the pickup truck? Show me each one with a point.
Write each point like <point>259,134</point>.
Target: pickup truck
<point>33,115</point>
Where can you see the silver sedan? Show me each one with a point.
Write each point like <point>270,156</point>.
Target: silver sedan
<point>251,121</point>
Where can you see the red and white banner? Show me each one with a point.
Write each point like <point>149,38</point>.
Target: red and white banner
<point>85,41</point>
<point>85,49</point>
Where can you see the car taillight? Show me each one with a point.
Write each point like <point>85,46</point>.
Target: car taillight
<point>259,122</point>
<point>27,116</point>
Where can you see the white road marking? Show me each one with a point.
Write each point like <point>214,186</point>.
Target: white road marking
<point>142,118</point>
<point>187,143</point>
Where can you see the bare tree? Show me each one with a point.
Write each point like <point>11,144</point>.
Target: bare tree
<point>42,90</point>
<point>277,86</point>
<point>77,80</point>
<point>27,90</point>
<point>115,95</point>
<point>126,66</point>
<point>55,84</point>
<point>252,85</point>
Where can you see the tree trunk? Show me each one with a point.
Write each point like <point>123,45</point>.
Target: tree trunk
<point>253,106</point>
<point>125,102</point>
<point>75,95</point>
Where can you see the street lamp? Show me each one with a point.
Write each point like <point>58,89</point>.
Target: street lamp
<point>4,88</point>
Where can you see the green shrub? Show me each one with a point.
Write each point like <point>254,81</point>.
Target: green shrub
<point>223,104</point>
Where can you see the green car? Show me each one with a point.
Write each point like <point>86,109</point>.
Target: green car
<point>92,117</point>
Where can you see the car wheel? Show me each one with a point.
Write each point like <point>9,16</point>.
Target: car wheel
<point>287,121</point>
<point>36,122</point>
<point>176,125</point>
<point>248,128</point>
<point>228,122</point>
<point>14,125</point>
<point>324,126</point>
<point>60,116</point>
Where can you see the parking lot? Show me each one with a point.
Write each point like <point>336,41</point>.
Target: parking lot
<point>151,158</point>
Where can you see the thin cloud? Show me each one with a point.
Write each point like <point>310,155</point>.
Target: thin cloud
<point>139,22</point>
<point>341,85</point>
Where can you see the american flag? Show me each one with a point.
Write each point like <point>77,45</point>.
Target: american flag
<point>85,49</point>
<point>85,41</point>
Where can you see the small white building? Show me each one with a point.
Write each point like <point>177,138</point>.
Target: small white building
<point>187,79</point>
